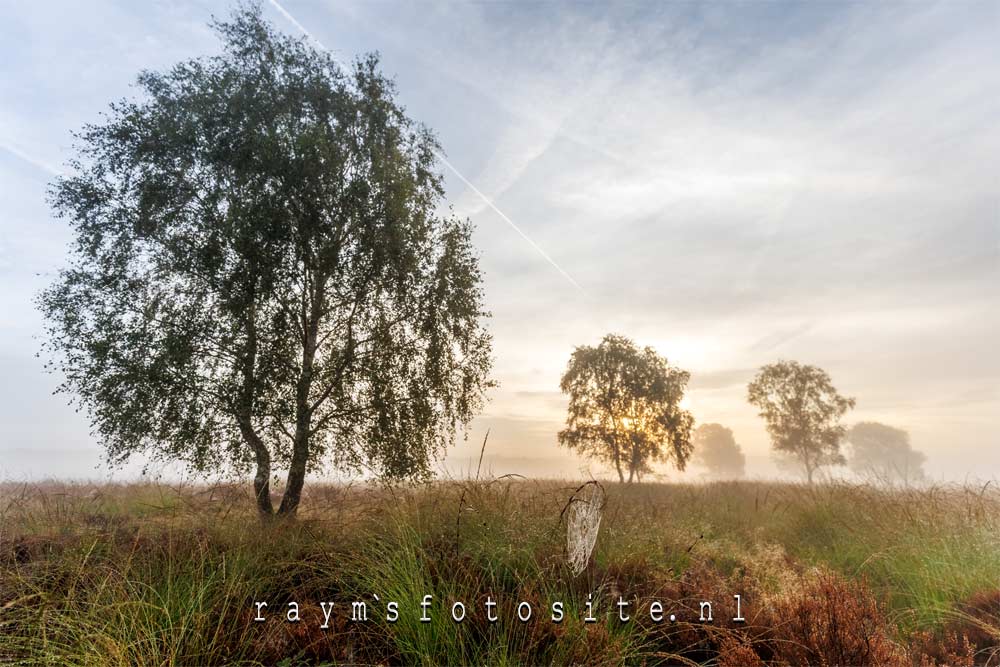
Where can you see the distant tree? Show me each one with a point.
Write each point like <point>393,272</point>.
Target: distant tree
<point>802,410</point>
<point>261,278</point>
<point>884,452</point>
<point>716,450</point>
<point>624,407</point>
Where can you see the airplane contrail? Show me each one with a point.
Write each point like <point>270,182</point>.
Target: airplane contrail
<point>510,222</point>
<point>302,28</point>
<point>291,19</point>
<point>30,159</point>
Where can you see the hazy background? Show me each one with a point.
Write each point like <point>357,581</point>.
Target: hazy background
<point>730,183</point>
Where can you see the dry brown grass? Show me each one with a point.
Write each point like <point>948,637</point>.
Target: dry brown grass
<point>834,575</point>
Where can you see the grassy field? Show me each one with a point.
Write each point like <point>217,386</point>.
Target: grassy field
<point>836,574</point>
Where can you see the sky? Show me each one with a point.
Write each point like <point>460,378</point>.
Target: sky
<point>730,183</point>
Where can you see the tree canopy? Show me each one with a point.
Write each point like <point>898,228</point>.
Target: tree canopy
<point>261,277</point>
<point>716,450</point>
<point>884,453</point>
<point>802,410</point>
<point>624,407</point>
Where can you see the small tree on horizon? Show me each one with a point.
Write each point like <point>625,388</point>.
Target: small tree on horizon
<point>260,278</point>
<point>716,449</point>
<point>624,407</point>
<point>884,453</point>
<point>802,410</point>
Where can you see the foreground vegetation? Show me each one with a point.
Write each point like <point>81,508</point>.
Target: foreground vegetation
<point>832,574</point>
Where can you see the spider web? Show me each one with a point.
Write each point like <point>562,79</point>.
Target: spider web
<point>583,522</point>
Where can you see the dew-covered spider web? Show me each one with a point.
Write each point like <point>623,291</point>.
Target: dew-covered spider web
<point>583,521</point>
